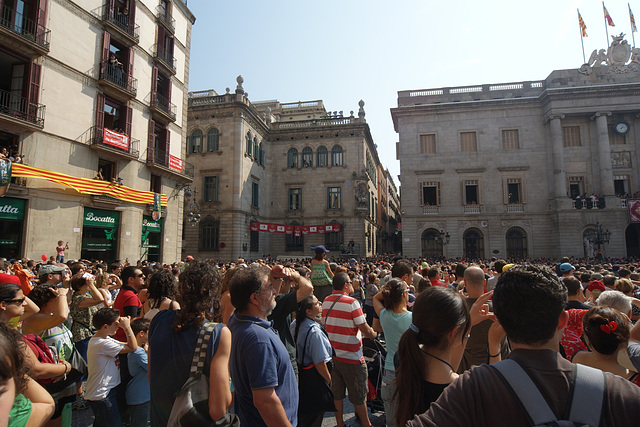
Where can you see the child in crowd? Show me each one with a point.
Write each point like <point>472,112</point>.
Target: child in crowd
<point>60,251</point>
<point>138,387</point>
<point>104,373</point>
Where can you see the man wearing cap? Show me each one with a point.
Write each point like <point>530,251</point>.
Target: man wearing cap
<point>594,289</point>
<point>566,269</point>
<point>287,302</point>
<point>264,380</point>
<point>50,274</point>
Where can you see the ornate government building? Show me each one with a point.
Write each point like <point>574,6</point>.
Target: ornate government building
<point>275,178</point>
<point>526,169</point>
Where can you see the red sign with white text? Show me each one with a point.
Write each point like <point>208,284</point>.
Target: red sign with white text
<point>115,139</point>
<point>175,163</point>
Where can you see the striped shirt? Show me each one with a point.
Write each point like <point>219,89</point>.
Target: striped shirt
<point>342,327</point>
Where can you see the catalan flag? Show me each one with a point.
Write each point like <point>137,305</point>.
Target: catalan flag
<point>89,186</point>
<point>634,29</point>
<point>607,17</point>
<point>583,26</point>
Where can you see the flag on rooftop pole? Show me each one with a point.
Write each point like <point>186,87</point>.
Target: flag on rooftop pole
<point>607,17</point>
<point>583,26</point>
<point>634,29</point>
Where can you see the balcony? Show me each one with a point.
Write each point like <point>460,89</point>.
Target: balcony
<point>162,108</point>
<point>108,141</point>
<point>472,209</point>
<point>19,111</point>
<point>164,58</point>
<point>162,162</point>
<point>22,33</point>
<point>589,204</point>
<point>116,81</point>
<point>515,208</point>
<point>430,210</point>
<point>128,31</point>
<point>166,19</point>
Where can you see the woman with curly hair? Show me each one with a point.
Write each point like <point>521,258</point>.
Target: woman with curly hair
<point>162,291</point>
<point>607,332</point>
<point>172,341</point>
<point>22,400</point>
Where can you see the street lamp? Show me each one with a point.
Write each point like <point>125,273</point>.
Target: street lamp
<point>193,216</point>
<point>444,237</point>
<point>598,237</point>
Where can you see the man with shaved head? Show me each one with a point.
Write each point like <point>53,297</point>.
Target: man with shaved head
<point>476,352</point>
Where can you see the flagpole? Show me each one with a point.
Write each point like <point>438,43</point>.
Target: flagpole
<point>632,22</point>
<point>584,58</point>
<point>605,24</point>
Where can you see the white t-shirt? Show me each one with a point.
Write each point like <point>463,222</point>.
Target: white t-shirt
<point>102,363</point>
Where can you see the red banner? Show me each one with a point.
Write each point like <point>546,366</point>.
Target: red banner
<point>634,210</point>
<point>116,139</point>
<point>296,230</point>
<point>175,163</point>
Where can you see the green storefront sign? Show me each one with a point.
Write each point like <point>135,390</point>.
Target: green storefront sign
<point>12,208</point>
<point>149,224</point>
<point>100,218</point>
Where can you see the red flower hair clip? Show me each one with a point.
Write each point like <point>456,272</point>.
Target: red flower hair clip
<point>609,328</point>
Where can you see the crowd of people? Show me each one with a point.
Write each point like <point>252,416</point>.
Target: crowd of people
<point>281,343</point>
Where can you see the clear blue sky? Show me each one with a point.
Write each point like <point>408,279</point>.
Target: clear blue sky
<point>344,51</point>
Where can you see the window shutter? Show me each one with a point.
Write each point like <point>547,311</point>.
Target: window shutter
<point>106,43</point>
<point>421,187</point>
<point>132,56</point>
<point>34,82</point>
<point>131,21</point>
<point>42,20</point>
<point>167,146</point>
<point>160,47</point>
<point>170,50</point>
<point>111,10</point>
<point>100,98</point>
<point>128,119</point>
<point>169,86</point>
<point>154,84</point>
<point>151,141</point>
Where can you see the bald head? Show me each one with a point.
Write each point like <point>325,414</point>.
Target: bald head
<point>474,277</point>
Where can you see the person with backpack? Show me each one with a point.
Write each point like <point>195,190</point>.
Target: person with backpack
<point>529,302</point>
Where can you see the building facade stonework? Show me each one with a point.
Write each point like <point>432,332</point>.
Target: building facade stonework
<point>95,90</point>
<point>292,164</point>
<point>523,169</point>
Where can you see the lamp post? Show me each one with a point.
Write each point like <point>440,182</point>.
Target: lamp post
<point>598,237</point>
<point>193,216</point>
<point>445,237</point>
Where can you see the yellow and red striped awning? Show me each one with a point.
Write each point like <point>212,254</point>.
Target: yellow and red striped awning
<point>88,186</point>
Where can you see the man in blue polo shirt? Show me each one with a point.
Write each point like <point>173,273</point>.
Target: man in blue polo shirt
<point>264,380</point>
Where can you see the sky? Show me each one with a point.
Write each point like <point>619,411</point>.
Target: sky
<point>345,51</point>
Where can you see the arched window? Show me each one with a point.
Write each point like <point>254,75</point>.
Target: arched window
<point>473,243</point>
<point>292,158</point>
<point>249,144</point>
<point>261,158</point>
<point>293,242</point>
<point>516,243</point>
<point>256,153</point>
<point>334,241</point>
<point>195,142</point>
<point>336,156</point>
<point>209,234</point>
<point>323,157</point>
<point>431,243</point>
<point>307,157</point>
<point>213,138</point>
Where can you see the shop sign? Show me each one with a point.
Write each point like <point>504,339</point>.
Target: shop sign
<point>97,245</point>
<point>149,224</point>
<point>100,218</point>
<point>147,246</point>
<point>12,208</point>
<point>7,242</point>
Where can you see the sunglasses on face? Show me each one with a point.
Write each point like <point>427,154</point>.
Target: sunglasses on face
<point>140,275</point>
<point>16,301</point>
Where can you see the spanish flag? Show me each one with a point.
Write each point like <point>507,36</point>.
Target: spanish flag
<point>583,26</point>
<point>634,29</point>
<point>607,17</point>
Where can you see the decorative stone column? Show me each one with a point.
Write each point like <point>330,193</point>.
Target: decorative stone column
<point>604,153</point>
<point>557,144</point>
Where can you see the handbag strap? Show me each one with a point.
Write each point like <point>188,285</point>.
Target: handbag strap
<point>331,308</point>
<point>202,345</point>
<point>304,346</point>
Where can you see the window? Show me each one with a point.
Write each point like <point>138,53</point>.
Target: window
<point>210,185</point>
<point>295,199</point>
<point>293,242</point>
<point>468,141</point>
<point>195,142</point>
<point>323,157</point>
<point>213,140</point>
<point>576,188</point>
<point>255,194</point>
<point>249,145</point>
<point>109,172</point>
<point>514,190</point>
<point>254,241</point>
<point>332,241</point>
<point>471,193</point>
<point>336,156</point>
<point>334,198</point>
<point>428,144</point>
<point>430,194</point>
<point>516,243</point>
<point>307,158</point>
<point>292,158</point>
<point>621,184</point>
<point>261,157</point>
<point>155,183</point>
<point>571,136</point>
<point>510,139</point>
<point>209,234</point>
<point>256,153</point>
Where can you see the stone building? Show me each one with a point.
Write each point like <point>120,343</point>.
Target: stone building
<point>89,87</point>
<point>268,175</point>
<point>525,169</point>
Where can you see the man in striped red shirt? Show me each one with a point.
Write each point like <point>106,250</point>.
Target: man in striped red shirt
<point>345,324</point>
